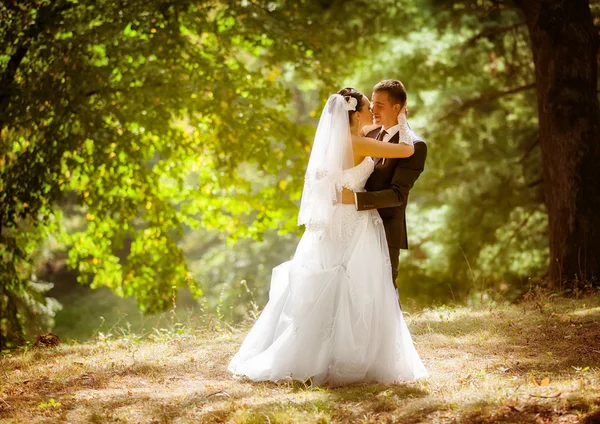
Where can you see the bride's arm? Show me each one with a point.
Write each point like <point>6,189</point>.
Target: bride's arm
<point>363,146</point>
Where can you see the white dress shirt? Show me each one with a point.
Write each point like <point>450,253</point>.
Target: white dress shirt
<point>391,131</point>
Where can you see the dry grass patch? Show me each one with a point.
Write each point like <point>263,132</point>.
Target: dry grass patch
<point>535,362</point>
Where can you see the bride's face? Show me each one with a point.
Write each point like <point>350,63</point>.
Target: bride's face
<point>365,117</point>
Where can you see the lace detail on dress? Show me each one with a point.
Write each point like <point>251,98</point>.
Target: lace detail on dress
<point>353,179</point>
<point>345,370</point>
<point>349,218</point>
<point>356,177</point>
<point>327,331</point>
<point>376,218</point>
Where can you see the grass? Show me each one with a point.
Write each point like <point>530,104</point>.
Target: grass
<point>535,362</point>
<point>87,312</point>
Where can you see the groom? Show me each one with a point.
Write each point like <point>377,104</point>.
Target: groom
<point>391,181</point>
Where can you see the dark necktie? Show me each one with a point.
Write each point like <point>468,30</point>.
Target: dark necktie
<point>379,137</point>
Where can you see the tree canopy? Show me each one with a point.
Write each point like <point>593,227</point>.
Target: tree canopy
<point>150,117</point>
<point>142,134</point>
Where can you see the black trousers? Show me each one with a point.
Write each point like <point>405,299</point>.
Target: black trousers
<point>395,260</point>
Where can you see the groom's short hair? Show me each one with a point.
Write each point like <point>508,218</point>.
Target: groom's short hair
<point>394,88</point>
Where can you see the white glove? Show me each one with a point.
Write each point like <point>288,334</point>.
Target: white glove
<point>404,132</point>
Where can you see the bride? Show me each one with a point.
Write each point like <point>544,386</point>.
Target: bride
<point>333,317</point>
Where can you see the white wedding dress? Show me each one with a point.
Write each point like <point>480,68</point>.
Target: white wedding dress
<point>333,315</point>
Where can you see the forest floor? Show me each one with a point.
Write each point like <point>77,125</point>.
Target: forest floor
<point>533,362</point>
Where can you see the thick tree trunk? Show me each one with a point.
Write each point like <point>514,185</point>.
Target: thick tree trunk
<point>565,46</point>
<point>11,328</point>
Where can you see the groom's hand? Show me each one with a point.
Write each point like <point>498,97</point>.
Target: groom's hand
<point>347,197</point>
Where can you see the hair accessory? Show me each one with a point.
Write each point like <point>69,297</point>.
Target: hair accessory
<point>351,103</point>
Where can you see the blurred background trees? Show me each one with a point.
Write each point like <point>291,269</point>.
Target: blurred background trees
<point>154,146</point>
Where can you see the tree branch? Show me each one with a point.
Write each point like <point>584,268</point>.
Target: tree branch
<point>486,98</point>
<point>491,31</point>
<point>47,16</point>
<point>514,234</point>
<point>533,183</point>
<point>529,149</point>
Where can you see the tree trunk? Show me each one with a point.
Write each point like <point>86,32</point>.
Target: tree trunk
<point>11,328</point>
<point>565,46</point>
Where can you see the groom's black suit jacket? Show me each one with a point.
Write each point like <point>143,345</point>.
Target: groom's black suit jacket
<point>388,188</point>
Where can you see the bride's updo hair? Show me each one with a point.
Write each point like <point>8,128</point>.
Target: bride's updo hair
<point>352,92</point>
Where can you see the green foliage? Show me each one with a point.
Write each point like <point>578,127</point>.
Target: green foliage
<point>167,130</point>
<point>155,116</point>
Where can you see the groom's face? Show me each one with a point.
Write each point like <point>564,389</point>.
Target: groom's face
<point>385,111</point>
